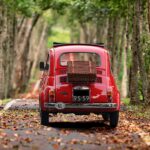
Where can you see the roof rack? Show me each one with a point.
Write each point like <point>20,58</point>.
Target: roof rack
<point>56,44</point>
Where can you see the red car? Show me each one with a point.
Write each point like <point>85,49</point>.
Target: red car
<point>77,79</point>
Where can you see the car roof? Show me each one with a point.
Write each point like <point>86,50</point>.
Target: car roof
<point>62,48</point>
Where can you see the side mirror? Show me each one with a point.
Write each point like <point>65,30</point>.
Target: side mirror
<point>46,66</point>
<point>42,66</point>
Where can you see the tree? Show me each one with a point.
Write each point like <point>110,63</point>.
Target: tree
<point>7,31</point>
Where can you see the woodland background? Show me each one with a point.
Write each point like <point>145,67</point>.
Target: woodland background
<point>29,27</point>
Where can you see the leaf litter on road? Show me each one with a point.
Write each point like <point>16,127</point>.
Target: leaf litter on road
<point>23,129</point>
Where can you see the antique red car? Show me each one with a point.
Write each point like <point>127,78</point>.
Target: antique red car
<point>77,79</point>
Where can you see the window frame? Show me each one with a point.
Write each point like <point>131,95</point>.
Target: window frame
<point>100,62</point>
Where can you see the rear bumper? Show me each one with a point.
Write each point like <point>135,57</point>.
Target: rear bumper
<point>63,106</point>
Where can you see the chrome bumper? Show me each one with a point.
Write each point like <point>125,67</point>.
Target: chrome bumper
<point>81,105</point>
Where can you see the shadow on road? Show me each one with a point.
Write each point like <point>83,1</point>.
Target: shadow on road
<point>78,124</point>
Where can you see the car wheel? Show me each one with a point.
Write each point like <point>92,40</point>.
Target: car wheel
<point>105,116</point>
<point>44,117</point>
<point>114,117</point>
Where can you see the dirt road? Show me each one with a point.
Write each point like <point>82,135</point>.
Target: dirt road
<point>21,130</point>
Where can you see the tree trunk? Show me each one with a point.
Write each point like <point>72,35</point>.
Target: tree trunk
<point>92,33</point>
<point>11,52</point>
<point>22,70</point>
<point>125,48</point>
<point>121,46</point>
<point>85,32</point>
<point>148,73</point>
<point>105,30</point>
<point>148,14</point>
<point>142,69</point>
<point>115,43</point>
<point>6,49</point>
<point>110,34</point>
<point>38,48</point>
<point>98,32</point>
<point>1,51</point>
<point>72,38</point>
<point>135,47</point>
<point>101,31</point>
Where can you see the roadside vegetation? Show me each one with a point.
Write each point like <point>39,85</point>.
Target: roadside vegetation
<point>4,101</point>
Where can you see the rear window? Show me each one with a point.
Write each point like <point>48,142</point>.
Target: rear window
<point>79,56</point>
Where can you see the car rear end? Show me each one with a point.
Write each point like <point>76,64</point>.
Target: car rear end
<point>83,93</point>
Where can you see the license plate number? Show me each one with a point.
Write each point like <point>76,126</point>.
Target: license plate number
<point>81,98</point>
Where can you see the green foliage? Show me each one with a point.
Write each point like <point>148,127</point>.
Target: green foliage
<point>31,7</point>
<point>58,5</point>
<point>126,101</point>
<point>25,7</point>
<point>59,35</point>
<point>83,10</point>
<point>4,101</point>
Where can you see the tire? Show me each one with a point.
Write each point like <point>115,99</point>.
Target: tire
<point>105,116</point>
<point>44,116</point>
<point>114,118</point>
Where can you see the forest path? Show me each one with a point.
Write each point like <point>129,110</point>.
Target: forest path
<point>22,130</point>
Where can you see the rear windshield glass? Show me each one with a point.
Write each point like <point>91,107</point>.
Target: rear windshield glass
<point>78,56</point>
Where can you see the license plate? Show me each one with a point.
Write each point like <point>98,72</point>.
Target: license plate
<point>81,94</point>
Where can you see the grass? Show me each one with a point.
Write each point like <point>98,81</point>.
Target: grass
<point>4,101</point>
<point>138,110</point>
<point>126,101</point>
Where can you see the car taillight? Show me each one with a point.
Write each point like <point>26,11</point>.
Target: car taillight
<point>51,95</point>
<point>109,95</point>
